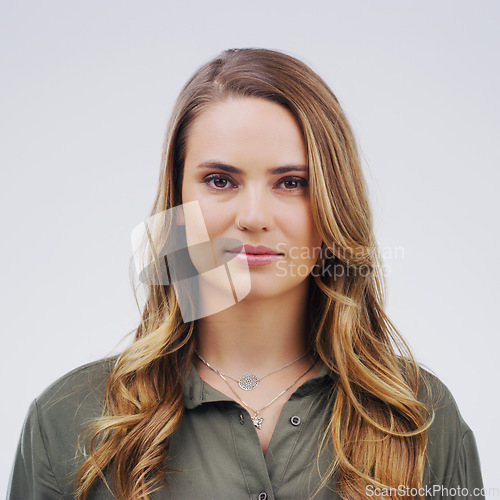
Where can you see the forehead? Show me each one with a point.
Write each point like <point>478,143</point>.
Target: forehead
<point>246,129</point>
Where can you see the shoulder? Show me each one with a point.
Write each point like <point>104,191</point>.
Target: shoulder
<point>437,398</point>
<point>49,449</point>
<point>451,443</point>
<point>66,408</point>
<point>440,402</point>
<point>82,382</point>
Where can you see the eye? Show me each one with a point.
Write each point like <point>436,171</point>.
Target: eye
<point>294,183</point>
<point>217,182</point>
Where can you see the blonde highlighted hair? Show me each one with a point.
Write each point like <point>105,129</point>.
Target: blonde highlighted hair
<point>377,428</point>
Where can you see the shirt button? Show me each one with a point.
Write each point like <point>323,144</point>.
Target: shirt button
<point>295,420</point>
<point>263,496</point>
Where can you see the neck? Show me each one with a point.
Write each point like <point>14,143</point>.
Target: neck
<point>256,334</point>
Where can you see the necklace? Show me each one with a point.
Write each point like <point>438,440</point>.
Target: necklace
<point>257,419</point>
<point>249,381</point>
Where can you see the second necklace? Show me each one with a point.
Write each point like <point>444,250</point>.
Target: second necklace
<point>257,419</point>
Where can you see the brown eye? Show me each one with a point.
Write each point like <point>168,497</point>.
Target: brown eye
<point>217,182</point>
<point>294,183</point>
<point>291,184</point>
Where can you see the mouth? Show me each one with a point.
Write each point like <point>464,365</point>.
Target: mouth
<point>254,250</point>
<point>254,256</point>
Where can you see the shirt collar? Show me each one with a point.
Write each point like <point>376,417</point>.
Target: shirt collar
<point>198,392</point>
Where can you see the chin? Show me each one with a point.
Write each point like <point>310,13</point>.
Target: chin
<point>271,287</point>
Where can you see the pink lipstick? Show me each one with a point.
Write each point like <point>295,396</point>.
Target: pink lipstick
<point>255,255</point>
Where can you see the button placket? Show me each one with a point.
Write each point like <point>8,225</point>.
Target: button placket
<point>251,461</point>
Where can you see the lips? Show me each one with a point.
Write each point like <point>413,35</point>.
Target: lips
<point>255,250</point>
<point>255,256</point>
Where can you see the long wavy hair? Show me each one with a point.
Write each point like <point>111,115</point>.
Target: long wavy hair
<point>377,428</point>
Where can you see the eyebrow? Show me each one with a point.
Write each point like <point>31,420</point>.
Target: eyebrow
<point>234,170</point>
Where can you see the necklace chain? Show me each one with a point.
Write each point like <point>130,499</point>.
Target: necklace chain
<point>257,419</point>
<point>249,381</point>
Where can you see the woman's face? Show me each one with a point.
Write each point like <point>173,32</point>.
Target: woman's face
<point>246,165</point>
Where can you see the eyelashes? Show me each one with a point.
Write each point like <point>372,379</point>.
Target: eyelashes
<point>219,182</point>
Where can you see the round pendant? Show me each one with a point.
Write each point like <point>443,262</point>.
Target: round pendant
<point>248,381</point>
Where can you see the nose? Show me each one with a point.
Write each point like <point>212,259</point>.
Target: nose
<point>254,210</point>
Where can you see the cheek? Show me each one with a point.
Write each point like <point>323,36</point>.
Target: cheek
<point>216,220</point>
<point>192,191</point>
<point>303,235</point>
<point>299,223</point>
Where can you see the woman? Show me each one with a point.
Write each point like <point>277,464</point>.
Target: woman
<point>264,365</point>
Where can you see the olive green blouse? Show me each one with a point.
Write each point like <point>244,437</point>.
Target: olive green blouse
<point>217,447</point>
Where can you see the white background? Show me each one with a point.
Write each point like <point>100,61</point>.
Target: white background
<point>86,91</point>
